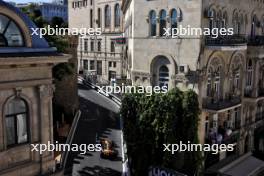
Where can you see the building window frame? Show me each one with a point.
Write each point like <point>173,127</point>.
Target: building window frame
<point>14,119</point>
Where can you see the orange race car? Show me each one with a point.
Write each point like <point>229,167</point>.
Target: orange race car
<point>108,150</point>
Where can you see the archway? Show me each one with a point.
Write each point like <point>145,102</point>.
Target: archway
<point>161,71</point>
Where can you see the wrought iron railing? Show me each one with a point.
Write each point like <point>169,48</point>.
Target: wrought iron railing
<point>226,40</point>
<point>210,103</point>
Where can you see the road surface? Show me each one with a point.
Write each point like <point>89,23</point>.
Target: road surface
<point>99,119</point>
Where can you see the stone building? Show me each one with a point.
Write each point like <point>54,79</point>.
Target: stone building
<point>226,72</point>
<point>100,57</point>
<point>50,10</point>
<point>26,92</point>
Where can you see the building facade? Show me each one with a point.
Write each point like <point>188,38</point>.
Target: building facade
<point>50,10</point>
<point>26,92</point>
<point>100,57</point>
<point>226,71</point>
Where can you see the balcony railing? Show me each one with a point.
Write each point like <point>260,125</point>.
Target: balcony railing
<point>227,40</point>
<point>232,138</point>
<point>210,103</point>
<point>256,40</point>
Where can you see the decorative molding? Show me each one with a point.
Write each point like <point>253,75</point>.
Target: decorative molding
<point>141,74</point>
<point>18,91</point>
<point>46,90</point>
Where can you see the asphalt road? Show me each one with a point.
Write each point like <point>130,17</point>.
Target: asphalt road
<point>99,119</point>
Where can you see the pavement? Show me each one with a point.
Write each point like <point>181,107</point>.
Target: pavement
<point>99,119</point>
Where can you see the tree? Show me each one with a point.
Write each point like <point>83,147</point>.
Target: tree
<point>151,121</point>
<point>57,22</point>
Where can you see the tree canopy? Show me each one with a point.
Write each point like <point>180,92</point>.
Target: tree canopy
<point>151,121</point>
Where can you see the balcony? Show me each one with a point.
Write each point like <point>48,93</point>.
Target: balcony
<point>256,40</point>
<point>227,42</point>
<point>254,93</point>
<point>231,138</point>
<point>221,104</point>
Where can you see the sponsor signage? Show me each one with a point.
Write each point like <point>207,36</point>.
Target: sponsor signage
<point>120,40</point>
<point>159,171</point>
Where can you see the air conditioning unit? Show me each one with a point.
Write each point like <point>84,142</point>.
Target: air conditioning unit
<point>184,68</point>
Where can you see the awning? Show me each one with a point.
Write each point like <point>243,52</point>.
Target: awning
<point>247,165</point>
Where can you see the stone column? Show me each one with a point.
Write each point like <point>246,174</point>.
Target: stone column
<point>46,126</point>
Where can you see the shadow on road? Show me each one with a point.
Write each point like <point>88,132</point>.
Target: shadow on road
<point>96,122</point>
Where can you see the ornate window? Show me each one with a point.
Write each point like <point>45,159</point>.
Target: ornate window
<point>163,76</point>
<point>209,82</point>
<point>162,20</point>
<point>249,73</point>
<point>236,23</point>
<point>212,21</point>
<point>16,122</point>
<point>117,15</point>
<point>107,16</point>
<point>254,25</point>
<point>224,20</point>
<point>217,80</point>
<point>10,34</point>
<point>214,79</point>
<point>219,19</point>
<point>153,23</point>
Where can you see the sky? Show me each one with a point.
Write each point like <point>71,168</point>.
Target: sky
<point>25,1</point>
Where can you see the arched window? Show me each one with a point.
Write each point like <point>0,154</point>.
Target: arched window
<point>240,24</point>
<point>214,81</point>
<point>117,15</point>
<point>212,20</point>
<point>249,73</point>
<point>163,76</point>
<point>107,16</point>
<point>99,17</point>
<point>209,82</point>
<point>99,46</point>
<point>253,25</point>
<point>10,34</point>
<point>162,22</point>
<point>235,77</point>
<point>153,23</point>
<point>219,19</point>
<point>173,18</point>
<point>217,82</point>
<point>16,122</point>
<point>236,23</point>
<point>224,20</point>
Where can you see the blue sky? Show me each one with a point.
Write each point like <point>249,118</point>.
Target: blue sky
<point>25,1</point>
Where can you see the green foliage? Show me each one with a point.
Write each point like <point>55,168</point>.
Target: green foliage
<point>151,121</point>
<point>60,70</point>
<point>60,42</point>
<point>57,21</point>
